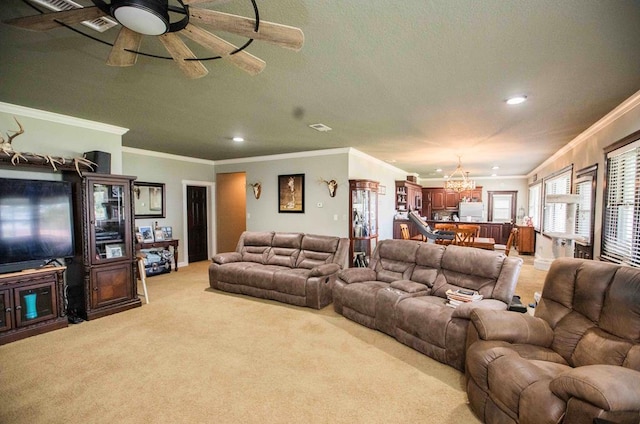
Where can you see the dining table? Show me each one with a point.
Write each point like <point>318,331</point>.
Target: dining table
<point>487,243</point>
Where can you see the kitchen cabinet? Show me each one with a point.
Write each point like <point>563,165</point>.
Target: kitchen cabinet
<point>408,196</point>
<point>525,240</point>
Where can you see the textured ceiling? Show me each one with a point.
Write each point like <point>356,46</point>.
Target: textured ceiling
<point>415,83</point>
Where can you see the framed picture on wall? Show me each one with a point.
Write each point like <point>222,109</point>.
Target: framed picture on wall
<point>291,193</point>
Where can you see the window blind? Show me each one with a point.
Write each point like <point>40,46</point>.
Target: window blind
<point>583,210</point>
<point>555,214</point>
<point>620,233</point>
<point>535,192</point>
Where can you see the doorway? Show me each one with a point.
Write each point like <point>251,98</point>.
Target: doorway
<point>197,229</point>
<point>231,209</point>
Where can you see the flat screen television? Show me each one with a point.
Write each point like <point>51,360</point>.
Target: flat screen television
<point>36,223</point>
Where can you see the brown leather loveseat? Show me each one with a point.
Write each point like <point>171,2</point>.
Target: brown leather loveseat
<point>293,268</point>
<point>402,293</point>
<point>576,360</point>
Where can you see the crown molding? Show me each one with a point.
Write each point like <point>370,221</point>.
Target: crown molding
<point>151,153</point>
<point>61,119</point>
<point>620,110</point>
<point>282,156</point>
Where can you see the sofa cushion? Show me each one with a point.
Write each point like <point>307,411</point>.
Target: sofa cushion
<point>317,250</point>
<point>425,317</point>
<point>361,297</point>
<point>621,310</point>
<point>285,248</point>
<point>409,286</point>
<point>599,347</point>
<point>291,281</point>
<point>473,269</point>
<point>428,261</point>
<point>395,260</point>
<point>255,246</point>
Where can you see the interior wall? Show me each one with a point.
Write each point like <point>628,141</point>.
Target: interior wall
<point>232,208</point>
<point>174,171</point>
<point>53,134</point>
<point>587,150</point>
<point>322,214</point>
<point>363,166</point>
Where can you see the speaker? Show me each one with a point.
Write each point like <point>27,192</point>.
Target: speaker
<point>102,159</point>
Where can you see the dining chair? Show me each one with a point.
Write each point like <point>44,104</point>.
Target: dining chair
<point>507,247</point>
<point>470,227</point>
<point>404,231</point>
<point>465,237</point>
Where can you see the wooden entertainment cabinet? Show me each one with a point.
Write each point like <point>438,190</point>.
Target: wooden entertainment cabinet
<point>101,277</point>
<point>32,302</point>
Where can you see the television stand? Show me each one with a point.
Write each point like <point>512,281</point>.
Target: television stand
<point>31,302</point>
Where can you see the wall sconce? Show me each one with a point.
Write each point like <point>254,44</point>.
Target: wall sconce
<point>257,189</point>
<point>332,185</point>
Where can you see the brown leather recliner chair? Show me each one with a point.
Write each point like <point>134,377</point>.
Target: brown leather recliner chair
<point>576,360</point>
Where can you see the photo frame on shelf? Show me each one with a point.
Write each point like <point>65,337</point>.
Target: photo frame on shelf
<point>149,200</point>
<point>113,250</point>
<point>147,234</point>
<point>167,233</point>
<point>158,234</point>
<point>291,193</point>
<point>139,238</point>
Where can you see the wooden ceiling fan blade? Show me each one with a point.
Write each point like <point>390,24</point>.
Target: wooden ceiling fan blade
<point>47,21</point>
<point>242,59</point>
<point>212,2</point>
<point>126,39</point>
<point>281,35</point>
<point>179,51</point>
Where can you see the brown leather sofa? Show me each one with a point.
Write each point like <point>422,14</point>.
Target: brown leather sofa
<point>402,293</point>
<point>293,268</point>
<point>578,359</point>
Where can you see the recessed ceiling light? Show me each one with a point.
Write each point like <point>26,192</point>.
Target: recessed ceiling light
<point>516,100</point>
<point>320,127</point>
<point>494,175</point>
<point>495,167</point>
<point>238,139</point>
<point>439,170</point>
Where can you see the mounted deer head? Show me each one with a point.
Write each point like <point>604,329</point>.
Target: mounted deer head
<point>257,189</point>
<point>332,185</point>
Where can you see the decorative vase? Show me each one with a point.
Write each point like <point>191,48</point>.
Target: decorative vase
<point>30,301</point>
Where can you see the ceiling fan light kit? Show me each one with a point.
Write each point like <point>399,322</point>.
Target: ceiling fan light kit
<point>151,17</point>
<point>148,17</point>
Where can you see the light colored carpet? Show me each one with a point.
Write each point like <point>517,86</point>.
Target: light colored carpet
<point>194,355</point>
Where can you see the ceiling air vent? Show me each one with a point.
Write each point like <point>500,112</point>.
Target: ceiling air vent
<point>99,24</point>
<point>320,127</point>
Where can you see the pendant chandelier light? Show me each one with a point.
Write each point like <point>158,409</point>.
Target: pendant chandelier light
<point>459,180</point>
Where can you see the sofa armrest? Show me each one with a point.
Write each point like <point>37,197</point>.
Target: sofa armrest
<point>464,310</point>
<point>608,387</point>
<point>227,257</point>
<point>356,275</point>
<point>324,269</point>
<point>511,327</point>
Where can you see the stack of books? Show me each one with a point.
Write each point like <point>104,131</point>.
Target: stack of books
<point>460,296</point>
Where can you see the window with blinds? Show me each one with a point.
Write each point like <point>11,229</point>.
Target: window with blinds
<point>535,194</point>
<point>584,212</point>
<point>555,214</point>
<point>620,232</point>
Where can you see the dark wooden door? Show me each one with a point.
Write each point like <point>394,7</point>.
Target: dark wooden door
<point>197,223</point>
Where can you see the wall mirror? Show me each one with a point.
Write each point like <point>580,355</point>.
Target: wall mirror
<point>148,200</point>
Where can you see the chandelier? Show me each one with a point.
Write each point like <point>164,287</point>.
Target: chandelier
<point>460,183</point>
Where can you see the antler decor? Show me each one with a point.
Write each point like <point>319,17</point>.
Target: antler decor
<point>257,189</point>
<point>332,185</point>
<point>6,147</point>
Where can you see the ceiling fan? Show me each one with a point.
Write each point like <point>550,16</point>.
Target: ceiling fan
<point>154,17</point>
